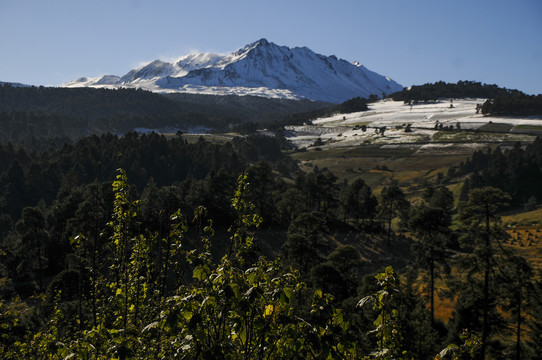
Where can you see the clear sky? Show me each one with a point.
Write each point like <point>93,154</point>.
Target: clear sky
<point>50,42</point>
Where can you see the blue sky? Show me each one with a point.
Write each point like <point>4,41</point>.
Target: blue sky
<point>413,42</point>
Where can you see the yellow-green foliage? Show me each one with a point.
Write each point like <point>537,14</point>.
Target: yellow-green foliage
<point>229,310</point>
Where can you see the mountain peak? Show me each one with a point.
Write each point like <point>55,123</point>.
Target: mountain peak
<point>263,42</point>
<point>261,68</point>
<point>259,44</point>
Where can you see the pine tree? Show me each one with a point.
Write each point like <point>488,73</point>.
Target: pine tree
<point>431,227</point>
<point>482,229</point>
<point>392,203</point>
<point>358,201</point>
<point>32,229</point>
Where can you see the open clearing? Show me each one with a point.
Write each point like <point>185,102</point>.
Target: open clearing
<point>396,142</point>
<point>453,121</point>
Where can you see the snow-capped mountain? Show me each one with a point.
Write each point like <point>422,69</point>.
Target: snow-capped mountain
<point>12,84</point>
<point>261,68</point>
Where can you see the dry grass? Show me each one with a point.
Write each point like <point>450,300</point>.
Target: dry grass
<point>526,241</point>
<point>527,218</point>
<point>408,171</point>
<point>444,308</point>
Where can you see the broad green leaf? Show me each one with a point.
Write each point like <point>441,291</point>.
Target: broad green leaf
<point>199,273</point>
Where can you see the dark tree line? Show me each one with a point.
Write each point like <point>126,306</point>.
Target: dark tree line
<point>461,89</point>
<point>513,105</point>
<point>517,171</point>
<point>29,176</point>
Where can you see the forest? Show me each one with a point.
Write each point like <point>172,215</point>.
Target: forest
<point>499,101</point>
<point>30,114</point>
<point>518,105</point>
<point>461,89</point>
<point>146,246</point>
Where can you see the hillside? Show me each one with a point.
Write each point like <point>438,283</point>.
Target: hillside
<point>27,112</point>
<point>435,124</point>
<point>84,102</point>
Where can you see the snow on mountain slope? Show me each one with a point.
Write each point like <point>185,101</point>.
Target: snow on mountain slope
<point>261,68</point>
<point>2,83</point>
<point>101,81</point>
<point>196,61</point>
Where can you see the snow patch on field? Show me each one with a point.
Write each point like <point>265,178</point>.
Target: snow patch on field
<point>424,121</point>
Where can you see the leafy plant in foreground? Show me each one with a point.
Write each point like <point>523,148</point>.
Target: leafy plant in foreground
<point>387,327</point>
<point>233,309</point>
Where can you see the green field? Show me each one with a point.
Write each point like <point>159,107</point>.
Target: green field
<point>496,127</point>
<point>379,165</point>
<point>378,151</point>
<point>528,127</point>
<point>482,136</point>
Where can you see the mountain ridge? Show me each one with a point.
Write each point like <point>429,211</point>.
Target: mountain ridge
<point>261,68</point>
